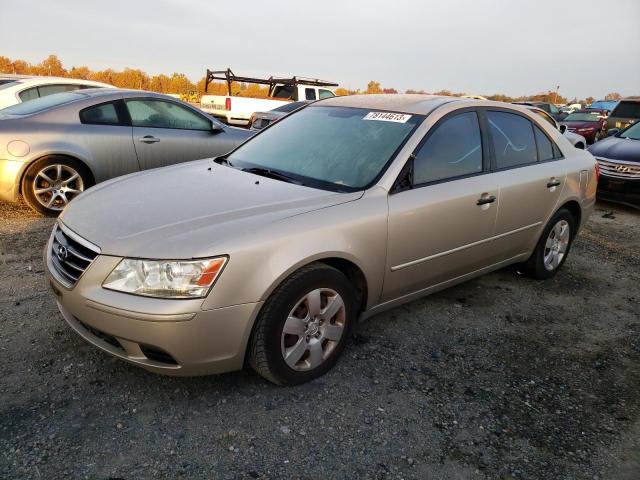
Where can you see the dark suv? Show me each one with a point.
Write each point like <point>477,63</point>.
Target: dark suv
<point>625,113</point>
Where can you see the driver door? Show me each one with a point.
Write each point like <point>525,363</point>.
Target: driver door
<point>165,133</point>
<point>441,227</point>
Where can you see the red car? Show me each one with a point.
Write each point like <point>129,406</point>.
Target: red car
<point>588,123</point>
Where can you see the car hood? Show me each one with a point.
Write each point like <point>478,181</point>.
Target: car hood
<point>617,148</point>
<point>187,210</point>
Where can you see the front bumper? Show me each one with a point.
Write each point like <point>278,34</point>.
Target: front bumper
<point>10,173</point>
<point>172,337</point>
<point>619,190</point>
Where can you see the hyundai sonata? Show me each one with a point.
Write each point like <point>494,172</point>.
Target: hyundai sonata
<point>345,208</point>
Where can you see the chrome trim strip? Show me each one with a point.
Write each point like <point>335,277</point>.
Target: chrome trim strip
<point>624,162</point>
<point>79,239</point>
<point>463,247</point>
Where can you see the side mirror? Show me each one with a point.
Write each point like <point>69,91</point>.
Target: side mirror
<point>613,131</point>
<point>215,128</point>
<point>563,128</point>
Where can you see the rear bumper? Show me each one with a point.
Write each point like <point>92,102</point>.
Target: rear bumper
<point>10,173</point>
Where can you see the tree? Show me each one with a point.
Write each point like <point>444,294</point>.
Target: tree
<point>373,87</point>
<point>340,92</point>
<point>51,66</point>
<point>613,96</point>
<point>389,90</point>
<point>80,72</point>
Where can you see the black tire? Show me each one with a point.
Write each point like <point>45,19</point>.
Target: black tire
<point>69,165</point>
<point>265,348</point>
<point>535,267</point>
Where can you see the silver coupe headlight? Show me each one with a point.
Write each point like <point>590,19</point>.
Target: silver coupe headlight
<point>165,278</point>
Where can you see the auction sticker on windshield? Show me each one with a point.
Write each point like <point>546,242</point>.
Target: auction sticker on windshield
<point>387,117</point>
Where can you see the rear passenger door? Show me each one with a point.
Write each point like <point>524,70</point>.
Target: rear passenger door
<point>165,133</point>
<point>530,175</point>
<point>442,211</point>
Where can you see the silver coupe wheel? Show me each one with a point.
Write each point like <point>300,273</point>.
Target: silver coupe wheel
<point>55,185</point>
<point>556,245</point>
<point>313,329</point>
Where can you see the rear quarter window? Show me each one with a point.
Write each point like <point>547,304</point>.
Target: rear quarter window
<point>104,114</point>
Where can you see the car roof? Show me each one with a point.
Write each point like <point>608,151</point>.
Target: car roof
<point>26,80</point>
<point>401,102</point>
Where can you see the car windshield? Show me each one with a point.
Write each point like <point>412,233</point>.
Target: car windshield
<point>42,103</point>
<point>632,132</point>
<point>335,148</point>
<point>582,117</point>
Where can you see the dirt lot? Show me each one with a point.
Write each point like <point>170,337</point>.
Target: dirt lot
<point>501,377</point>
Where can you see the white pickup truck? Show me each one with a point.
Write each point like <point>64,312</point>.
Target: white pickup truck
<point>236,110</point>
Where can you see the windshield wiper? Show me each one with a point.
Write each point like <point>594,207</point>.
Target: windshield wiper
<point>265,172</point>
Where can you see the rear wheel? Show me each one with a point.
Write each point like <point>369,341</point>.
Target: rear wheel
<point>553,247</point>
<point>50,183</point>
<point>304,326</point>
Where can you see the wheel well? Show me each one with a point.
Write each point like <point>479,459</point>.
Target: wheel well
<point>91,179</point>
<point>574,209</point>
<point>580,145</point>
<point>355,276</point>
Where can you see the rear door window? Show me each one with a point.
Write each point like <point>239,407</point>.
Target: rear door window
<point>310,93</point>
<point>512,139</point>
<point>454,149</point>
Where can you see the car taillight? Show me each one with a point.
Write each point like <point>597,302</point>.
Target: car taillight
<point>227,103</point>
<point>597,171</point>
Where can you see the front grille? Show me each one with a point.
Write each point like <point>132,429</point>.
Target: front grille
<point>619,169</point>
<point>70,256</point>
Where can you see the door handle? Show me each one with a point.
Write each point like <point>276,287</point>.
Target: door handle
<point>149,139</point>
<point>554,183</point>
<point>486,200</point>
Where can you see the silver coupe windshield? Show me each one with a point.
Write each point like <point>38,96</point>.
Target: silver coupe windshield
<point>337,148</point>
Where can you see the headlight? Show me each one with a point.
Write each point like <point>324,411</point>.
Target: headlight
<point>165,278</point>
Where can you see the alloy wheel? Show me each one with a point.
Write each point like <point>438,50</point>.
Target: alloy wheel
<point>313,329</point>
<point>54,186</point>
<point>556,245</point>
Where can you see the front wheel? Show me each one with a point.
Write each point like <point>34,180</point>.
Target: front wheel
<point>50,183</point>
<point>303,326</point>
<point>553,247</point>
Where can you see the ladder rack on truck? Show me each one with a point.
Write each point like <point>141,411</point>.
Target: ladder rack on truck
<point>229,77</point>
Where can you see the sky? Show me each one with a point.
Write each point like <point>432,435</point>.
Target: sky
<point>515,47</point>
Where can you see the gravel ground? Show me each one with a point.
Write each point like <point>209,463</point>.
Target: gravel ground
<point>501,377</point>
